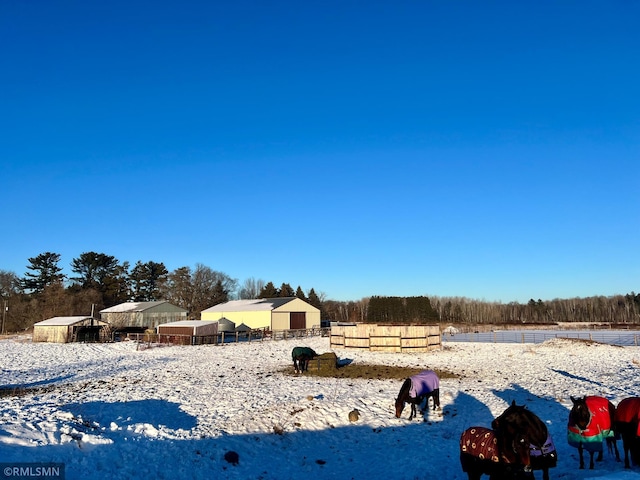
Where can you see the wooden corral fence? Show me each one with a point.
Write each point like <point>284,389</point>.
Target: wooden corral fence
<point>387,338</point>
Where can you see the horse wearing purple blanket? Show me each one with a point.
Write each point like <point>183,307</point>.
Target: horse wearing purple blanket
<point>416,389</point>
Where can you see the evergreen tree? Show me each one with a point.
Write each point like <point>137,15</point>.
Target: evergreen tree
<point>116,286</point>
<point>47,272</point>
<point>268,291</point>
<point>92,269</point>
<point>286,291</point>
<point>146,281</point>
<point>300,294</point>
<point>314,300</point>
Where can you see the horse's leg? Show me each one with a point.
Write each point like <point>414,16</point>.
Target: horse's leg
<point>545,473</point>
<point>626,447</point>
<point>436,399</point>
<point>295,365</point>
<point>413,410</point>
<point>580,452</point>
<point>591,465</point>
<point>612,442</point>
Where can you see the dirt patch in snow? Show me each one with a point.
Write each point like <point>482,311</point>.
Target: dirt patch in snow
<point>372,372</point>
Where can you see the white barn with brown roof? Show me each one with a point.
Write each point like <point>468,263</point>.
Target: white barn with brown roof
<point>281,313</point>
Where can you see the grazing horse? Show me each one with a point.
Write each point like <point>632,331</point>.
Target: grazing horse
<point>591,420</point>
<point>415,389</point>
<point>485,451</point>
<point>627,425</point>
<point>301,357</point>
<point>517,418</point>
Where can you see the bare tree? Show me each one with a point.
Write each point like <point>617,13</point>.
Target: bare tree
<point>251,288</point>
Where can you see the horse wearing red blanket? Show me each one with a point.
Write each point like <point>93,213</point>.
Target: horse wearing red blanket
<point>627,424</point>
<point>591,422</point>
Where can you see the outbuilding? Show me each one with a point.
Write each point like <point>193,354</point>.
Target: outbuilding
<point>282,313</point>
<point>142,315</point>
<point>188,332</point>
<point>68,329</point>
<point>194,328</point>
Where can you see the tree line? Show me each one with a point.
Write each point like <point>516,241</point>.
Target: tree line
<point>616,309</point>
<point>99,281</point>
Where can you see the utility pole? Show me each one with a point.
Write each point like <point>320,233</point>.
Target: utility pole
<point>4,314</point>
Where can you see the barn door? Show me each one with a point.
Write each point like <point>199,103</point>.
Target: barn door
<point>298,320</point>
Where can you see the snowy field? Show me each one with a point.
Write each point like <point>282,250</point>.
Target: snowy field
<point>111,411</point>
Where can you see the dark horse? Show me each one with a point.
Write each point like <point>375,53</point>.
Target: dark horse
<point>519,419</point>
<point>416,389</point>
<point>502,457</point>
<point>301,357</point>
<point>627,425</point>
<point>591,420</point>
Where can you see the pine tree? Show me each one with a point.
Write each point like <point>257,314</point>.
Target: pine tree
<point>300,294</point>
<point>286,291</point>
<point>47,272</point>
<point>268,291</point>
<point>314,300</point>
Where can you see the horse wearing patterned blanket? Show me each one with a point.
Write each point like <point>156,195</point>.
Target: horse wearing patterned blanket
<point>486,451</point>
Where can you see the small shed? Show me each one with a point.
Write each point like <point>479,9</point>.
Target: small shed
<point>67,329</point>
<point>194,328</point>
<point>243,328</point>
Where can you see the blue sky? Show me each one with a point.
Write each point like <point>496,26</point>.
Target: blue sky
<point>488,150</point>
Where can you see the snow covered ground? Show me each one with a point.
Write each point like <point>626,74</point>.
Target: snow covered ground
<point>112,411</point>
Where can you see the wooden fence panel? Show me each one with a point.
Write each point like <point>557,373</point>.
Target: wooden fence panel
<point>386,338</point>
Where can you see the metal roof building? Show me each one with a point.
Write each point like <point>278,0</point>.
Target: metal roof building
<point>64,329</point>
<point>282,313</point>
<point>142,314</point>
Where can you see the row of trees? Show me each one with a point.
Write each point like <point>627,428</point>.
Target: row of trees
<point>401,310</point>
<point>99,281</point>
<point>617,309</point>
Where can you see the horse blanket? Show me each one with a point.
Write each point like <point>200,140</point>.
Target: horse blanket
<point>480,442</point>
<point>628,411</point>
<point>297,352</point>
<point>423,383</point>
<point>598,428</point>
<point>545,456</point>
